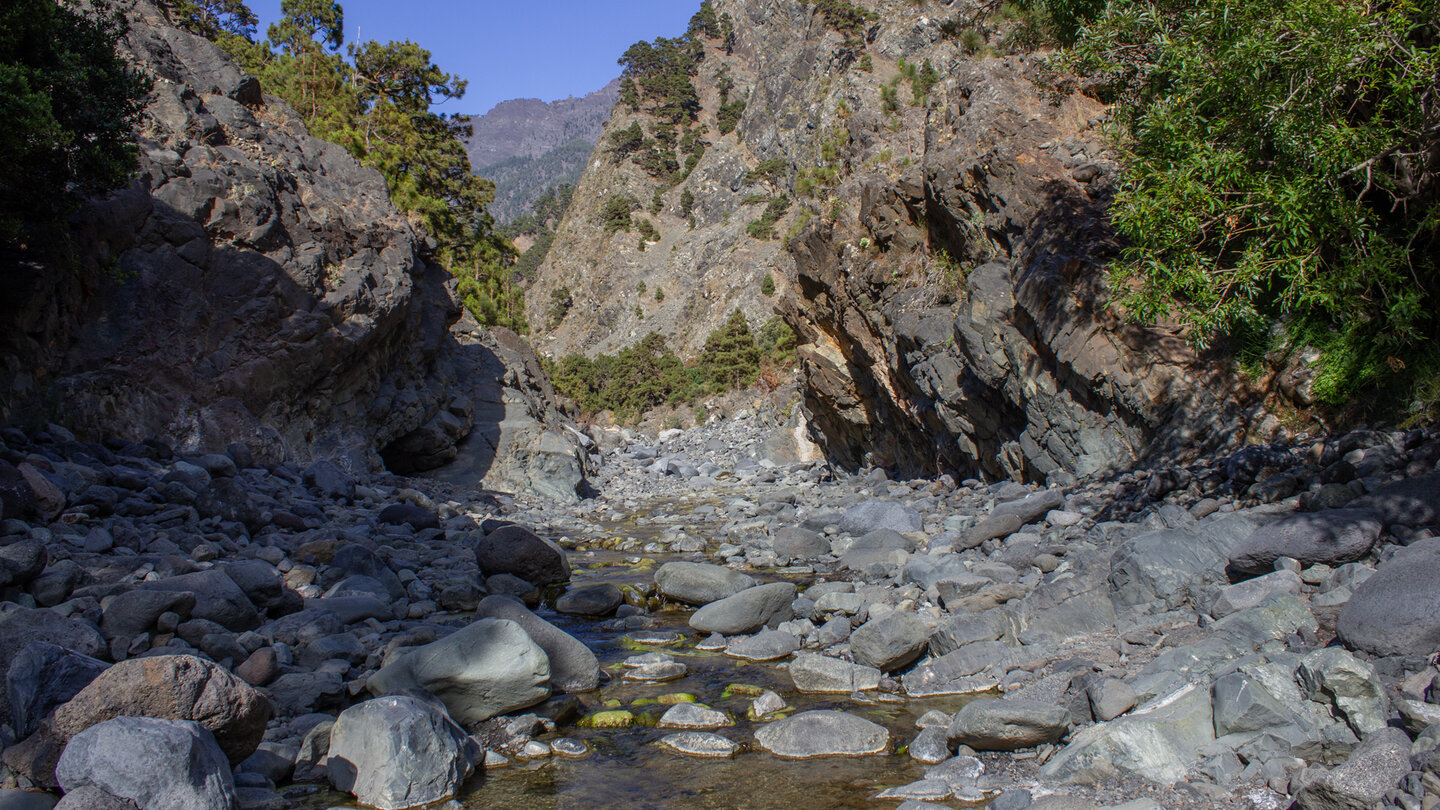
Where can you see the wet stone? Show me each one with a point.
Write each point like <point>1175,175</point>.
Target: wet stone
<point>932,790</point>
<point>701,744</point>
<point>695,717</point>
<point>569,747</point>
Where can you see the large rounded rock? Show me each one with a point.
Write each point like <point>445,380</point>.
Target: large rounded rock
<point>992,724</point>
<point>134,612</point>
<point>21,562</point>
<point>1410,502</point>
<point>596,600</point>
<point>172,687</point>
<point>1333,537</point>
<point>823,734</point>
<point>398,751</point>
<point>796,541</point>
<point>1397,611</point>
<point>872,515</point>
<point>158,764</point>
<point>25,627</point>
<point>890,643</point>
<point>700,583</point>
<point>573,667</point>
<point>42,677</point>
<point>518,551</point>
<point>490,667</point>
<point>217,598</point>
<point>746,611</point>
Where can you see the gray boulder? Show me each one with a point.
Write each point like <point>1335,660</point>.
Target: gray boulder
<point>746,611</point>
<point>795,541</point>
<point>1351,686</point>
<point>93,798</point>
<point>134,612</point>
<point>357,560</point>
<point>1252,592</point>
<point>1333,537</point>
<point>992,724</point>
<point>1397,611</point>
<point>397,752</point>
<point>873,553</point>
<point>158,764</point>
<point>573,667</point>
<point>1374,767</point>
<point>1159,741</point>
<point>821,673</point>
<point>822,734</point>
<point>1032,507</point>
<point>1409,502</point>
<point>24,627</point>
<point>217,598</point>
<point>700,583</point>
<point>21,562</point>
<point>877,514</point>
<point>26,800</point>
<point>42,677</point>
<point>490,667</point>
<point>890,643</point>
<point>595,600</point>
<point>327,480</point>
<point>516,550</point>
<point>1169,566</point>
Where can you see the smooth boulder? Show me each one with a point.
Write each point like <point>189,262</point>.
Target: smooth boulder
<point>490,667</point>
<point>878,514</point>
<point>746,611</point>
<point>699,584</point>
<point>397,752</point>
<point>42,677</point>
<point>993,724</point>
<point>1332,537</point>
<point>1397,610</point>
<point>823,733</point>
<point>890,643</point>
<point>573,667</point>
<point>520,552</point>
<point>158,764</point>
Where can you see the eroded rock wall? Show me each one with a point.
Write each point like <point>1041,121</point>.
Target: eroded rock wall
<point>254,284</point>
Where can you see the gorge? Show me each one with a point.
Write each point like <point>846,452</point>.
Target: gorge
<point>283,524</point>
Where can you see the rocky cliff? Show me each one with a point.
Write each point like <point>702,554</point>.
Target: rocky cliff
<point>944,259</point>
<point>700,264</point>
<point>253,285</point>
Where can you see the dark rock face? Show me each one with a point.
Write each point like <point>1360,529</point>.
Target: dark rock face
<point>1010,367</point>
<point>254,286</point>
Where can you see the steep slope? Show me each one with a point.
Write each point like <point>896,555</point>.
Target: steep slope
<point>944,265</point>
<point>527,145</point>
<point>700,263</point>
<point>253,285</point>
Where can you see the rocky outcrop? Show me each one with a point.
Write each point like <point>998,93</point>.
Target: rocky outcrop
<point>953,319</point>
<point>684,283</point>
<point>255,285</point>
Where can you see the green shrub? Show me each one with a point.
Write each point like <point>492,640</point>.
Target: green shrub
<point>69,103</point>
<point>764,227</point>
<point>615,216</point>
<point>767,285</point>
<point>1273,156</point>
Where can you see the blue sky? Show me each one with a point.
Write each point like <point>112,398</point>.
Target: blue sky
<point>546,49</point>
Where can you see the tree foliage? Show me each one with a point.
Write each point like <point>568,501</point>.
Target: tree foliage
<point>649,374</point>
<point>1280,163</point>
<point>69,104</point>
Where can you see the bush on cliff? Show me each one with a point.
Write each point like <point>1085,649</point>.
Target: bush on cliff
<point>69,103</point>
